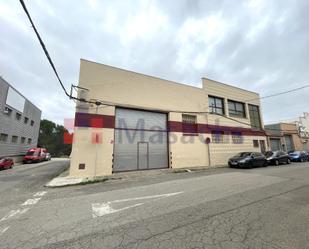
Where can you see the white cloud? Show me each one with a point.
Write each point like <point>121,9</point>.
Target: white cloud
<point>203,34</point>
<point>259,45</point>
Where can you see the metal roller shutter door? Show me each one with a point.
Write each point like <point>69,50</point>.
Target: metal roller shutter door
<point>275,144</point>
<point>289,143</point>
<point>140,140</point>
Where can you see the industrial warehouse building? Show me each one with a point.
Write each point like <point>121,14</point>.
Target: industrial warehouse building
<point>151,123</point>
<point>19,122</point>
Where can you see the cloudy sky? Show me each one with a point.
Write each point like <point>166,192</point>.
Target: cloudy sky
<point>259,45</point>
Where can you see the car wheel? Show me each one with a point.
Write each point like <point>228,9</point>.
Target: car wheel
<point>276,162</point>
<point>288,161</point>
<point>301,160</point>
<point>265,164</point>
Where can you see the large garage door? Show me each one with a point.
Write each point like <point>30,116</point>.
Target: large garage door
<point>274,144</point>
<point>289,143</point>
<point>140,140</point>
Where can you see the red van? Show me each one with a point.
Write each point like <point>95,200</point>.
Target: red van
<point>35,155</point>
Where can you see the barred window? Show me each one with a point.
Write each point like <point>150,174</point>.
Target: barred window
<point>216,105</point>
<point>29,140</point>
<point>217,137</point>
<point>237,138</point>
<point>189,125</point>
<point>22,140</point>
<point>256,143</point>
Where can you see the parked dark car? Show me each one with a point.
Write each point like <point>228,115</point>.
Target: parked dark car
<point>307,155</point>
<point>298,156</point>
<point>6,163</point>
<point>248,160</point>
<point>277,157</point>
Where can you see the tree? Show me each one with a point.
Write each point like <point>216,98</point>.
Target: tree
<point>51,137</point>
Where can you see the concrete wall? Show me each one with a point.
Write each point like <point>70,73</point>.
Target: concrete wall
<point>133,90</point>
<point>13,127</point>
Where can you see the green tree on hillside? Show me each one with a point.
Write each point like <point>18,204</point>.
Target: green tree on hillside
<point>51,137</point>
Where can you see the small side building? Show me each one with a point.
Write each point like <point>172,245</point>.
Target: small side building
<point>284,136</point>
<point>19,122</point>
<point>152,123</point>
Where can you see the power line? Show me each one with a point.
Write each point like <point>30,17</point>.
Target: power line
<point>99,102</point>
<point>280,93</point>
<point>50,60</point>
<point>43,47</point>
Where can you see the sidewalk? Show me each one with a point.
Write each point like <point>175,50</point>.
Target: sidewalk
<point>64,179</point>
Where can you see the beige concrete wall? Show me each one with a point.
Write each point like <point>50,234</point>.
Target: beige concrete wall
<point>188,151</point>
<point>137,90</point>
<point>221,152</point>
<point>97,157</point>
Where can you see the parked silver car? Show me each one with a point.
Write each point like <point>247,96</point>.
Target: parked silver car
<point>47,156</point>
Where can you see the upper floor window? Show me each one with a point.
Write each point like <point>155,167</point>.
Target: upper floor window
<point>32,123</point>
<point>254,114</point>
<point>18,116</point>
<point>22,140</point>
<point>26,120</point>
<point>29,140</point>
<point>7,111</point>
<point>236,109</point>
<point>216,105</point>
<point>3,137</point>
<point>189,124</point>
<point>14,139</point>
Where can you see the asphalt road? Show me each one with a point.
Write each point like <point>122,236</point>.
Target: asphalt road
<point>221,208</point>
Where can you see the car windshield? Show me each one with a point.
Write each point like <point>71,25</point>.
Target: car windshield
<point>295,153</point>
<point>31,153</point>
<point>243,154</point>
<point>269,153</point>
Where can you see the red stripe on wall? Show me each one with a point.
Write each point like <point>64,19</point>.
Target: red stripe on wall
<point>175,126</point>
<point>94,120</point>
<point>108,121</point>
